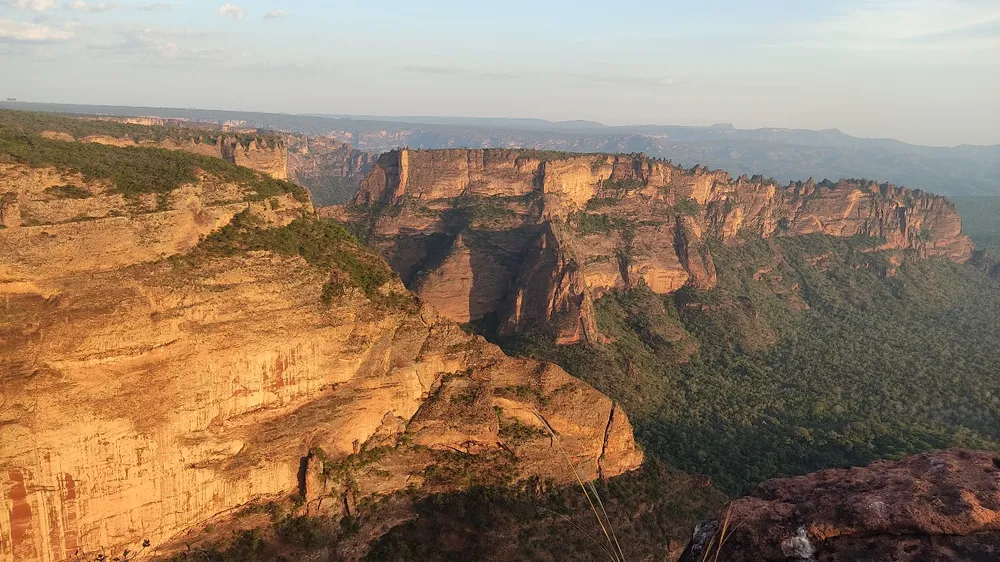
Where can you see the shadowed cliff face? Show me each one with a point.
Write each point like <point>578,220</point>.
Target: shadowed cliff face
<point>150,379</point>
<point>523,240</point>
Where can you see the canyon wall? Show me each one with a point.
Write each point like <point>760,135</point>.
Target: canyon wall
<point>476,232</point>
<point>147,385</point>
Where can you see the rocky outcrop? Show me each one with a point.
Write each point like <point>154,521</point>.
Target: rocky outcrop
<point>612,221</point>
<point>60,224</point>
<point>145,388</point>
<point>938,506</point>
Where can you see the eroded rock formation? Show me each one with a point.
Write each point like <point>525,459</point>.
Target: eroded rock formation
<point>476,232</point>
<point>940,506</point>
<point>142,393</point>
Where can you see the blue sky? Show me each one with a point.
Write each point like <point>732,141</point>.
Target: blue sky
<point>923,71</point>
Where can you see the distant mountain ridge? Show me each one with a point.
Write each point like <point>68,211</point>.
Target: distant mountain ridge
<point>785,154</point>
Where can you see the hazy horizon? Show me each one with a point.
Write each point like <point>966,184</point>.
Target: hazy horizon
<point>922,71</point>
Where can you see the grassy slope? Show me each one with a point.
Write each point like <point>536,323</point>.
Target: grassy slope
<point>875,367</point>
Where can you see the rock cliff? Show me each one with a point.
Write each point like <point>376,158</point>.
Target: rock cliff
<point>938,506</point>
<point>152,378</point>
<point>476,232</point>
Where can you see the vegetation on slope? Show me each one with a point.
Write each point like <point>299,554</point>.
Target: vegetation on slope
<point>651,509</point>
<point>323,243</point>
<point>134,171</point>
<point>805,356</point>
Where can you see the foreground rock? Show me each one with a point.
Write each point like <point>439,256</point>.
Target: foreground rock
<point>525,240</point>
<point>939,506</point>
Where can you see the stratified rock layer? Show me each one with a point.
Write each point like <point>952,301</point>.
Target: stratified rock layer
<point>141,395</point>
<point>941,506</point>
<point>527,238</point>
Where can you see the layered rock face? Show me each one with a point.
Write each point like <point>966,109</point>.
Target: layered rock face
<point>476,232</point>
<point>938,506</point>
<point>140,395</point>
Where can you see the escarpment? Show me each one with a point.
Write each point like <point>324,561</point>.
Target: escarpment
<point>477,232</point>
<point>169,354</point>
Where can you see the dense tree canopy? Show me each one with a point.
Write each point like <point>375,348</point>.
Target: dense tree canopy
<point>811,353</point>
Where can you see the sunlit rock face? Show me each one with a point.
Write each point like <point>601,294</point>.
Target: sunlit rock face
<point>144,389</point>
<point>526,239</point>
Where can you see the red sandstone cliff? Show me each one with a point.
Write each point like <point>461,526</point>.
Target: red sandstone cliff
<point>464,228</point>
<point>143,392</point>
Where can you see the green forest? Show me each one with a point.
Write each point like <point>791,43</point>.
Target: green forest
<point>807,355</point>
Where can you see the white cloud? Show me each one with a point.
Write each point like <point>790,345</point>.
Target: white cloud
<point>33,5</point>
<point>275,14</point>
<point>916,25</point>
<point>81,6</point>
<point>31,32</point>
<point>232,11</point>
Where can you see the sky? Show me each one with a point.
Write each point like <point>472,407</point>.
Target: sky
<point>922,71</point>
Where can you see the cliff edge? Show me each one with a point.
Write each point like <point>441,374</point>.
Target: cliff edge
<point>524,239</point>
